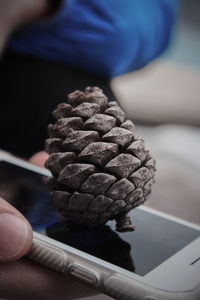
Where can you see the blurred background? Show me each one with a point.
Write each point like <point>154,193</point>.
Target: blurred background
<point>163,99</point>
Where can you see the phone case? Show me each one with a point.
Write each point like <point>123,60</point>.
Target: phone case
<point>97,275</point>
<point>104,280</point>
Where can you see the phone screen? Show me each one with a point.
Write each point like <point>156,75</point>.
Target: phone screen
<point>155,239</point>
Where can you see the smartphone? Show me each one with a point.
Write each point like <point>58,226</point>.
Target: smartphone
<point>160,260</point>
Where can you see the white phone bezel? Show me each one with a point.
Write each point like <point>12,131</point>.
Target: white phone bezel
<point>173,275</point>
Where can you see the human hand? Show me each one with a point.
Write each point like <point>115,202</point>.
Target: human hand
<point>16,13</point>
<point>15,230</point>
<point>15,233</point>
<point>21,278</point>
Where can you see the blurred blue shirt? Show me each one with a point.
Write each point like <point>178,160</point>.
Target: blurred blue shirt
<point>104,37</point>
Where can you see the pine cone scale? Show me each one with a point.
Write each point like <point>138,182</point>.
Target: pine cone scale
<point>73,175</point>
<point>101,169</point>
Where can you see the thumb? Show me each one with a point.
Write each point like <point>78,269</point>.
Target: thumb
<point>15,233</point>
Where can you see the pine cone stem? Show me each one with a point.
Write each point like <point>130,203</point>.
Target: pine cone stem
<point>124,223</point>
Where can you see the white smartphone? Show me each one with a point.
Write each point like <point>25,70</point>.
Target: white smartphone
<point>160,260</point>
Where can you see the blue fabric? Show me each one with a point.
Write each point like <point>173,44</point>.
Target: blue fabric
<point>105,37</point>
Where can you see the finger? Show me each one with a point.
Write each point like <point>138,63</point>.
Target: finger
<point>39,158</point>
<point>38,283</point>
<point>15,233</point>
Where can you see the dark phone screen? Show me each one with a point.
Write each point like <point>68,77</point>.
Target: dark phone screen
<point>154,241</point>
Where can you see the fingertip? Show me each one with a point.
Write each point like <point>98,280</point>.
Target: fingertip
<point>25,245</point>
<point>15,233</point>
<point>39,158</point>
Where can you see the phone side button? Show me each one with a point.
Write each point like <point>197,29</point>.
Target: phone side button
<point>81,272</point>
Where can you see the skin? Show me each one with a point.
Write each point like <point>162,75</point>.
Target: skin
<point>24,280</point>
<point>21,278</point>
<point>16,13</point>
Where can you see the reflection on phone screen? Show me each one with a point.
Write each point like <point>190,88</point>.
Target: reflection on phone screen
<point>155,239</point>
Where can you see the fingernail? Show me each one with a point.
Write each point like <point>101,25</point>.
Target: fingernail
<point>13,235</point>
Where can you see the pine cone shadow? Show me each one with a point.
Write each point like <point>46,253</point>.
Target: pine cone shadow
<point>100,241</point>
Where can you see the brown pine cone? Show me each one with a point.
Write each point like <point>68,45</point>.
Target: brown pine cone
<point>101,169</point>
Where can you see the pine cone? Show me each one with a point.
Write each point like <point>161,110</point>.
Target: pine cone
<point>101,169</point>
